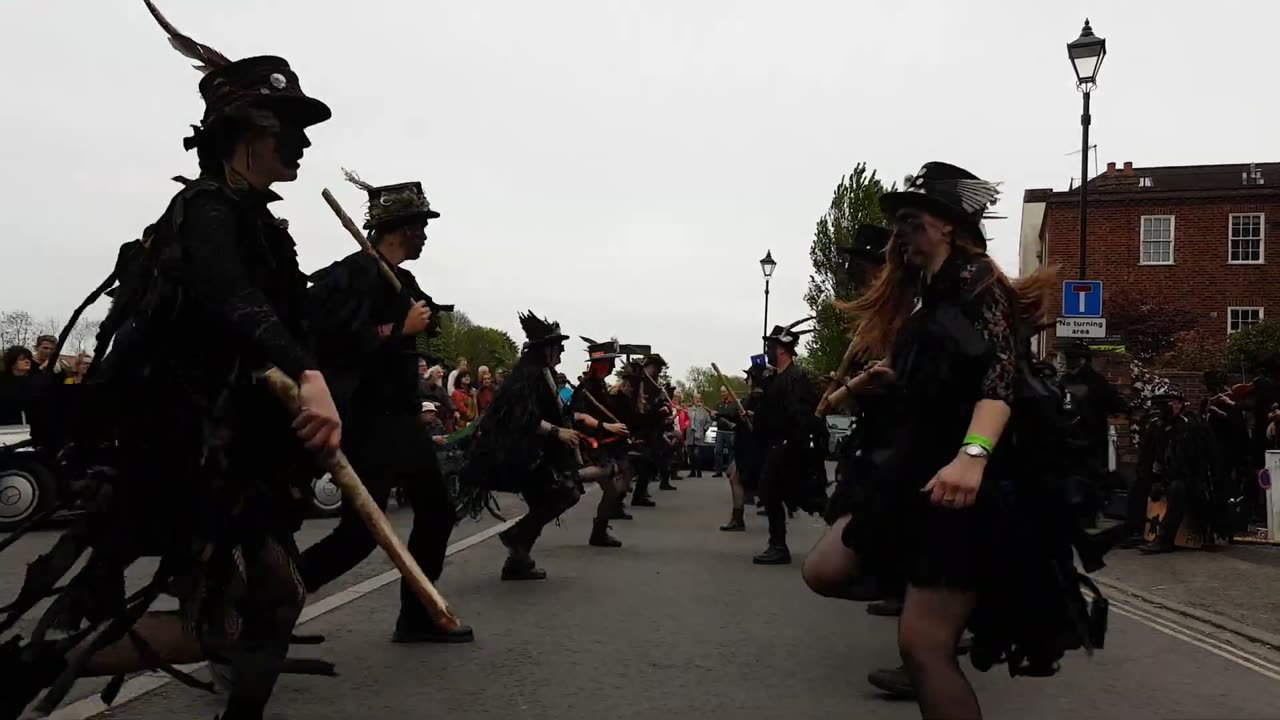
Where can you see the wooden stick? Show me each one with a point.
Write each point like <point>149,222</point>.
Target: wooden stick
<point>551,382</point>
<point>354,492</point>
<point>351,227</point>
<point>602,408</point>
<point>725,384</point>
<point>851,354</point>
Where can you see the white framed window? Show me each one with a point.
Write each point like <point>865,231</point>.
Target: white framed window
<point>1157,240</point>
<point>1239,318</point>
<point>1245,237</point>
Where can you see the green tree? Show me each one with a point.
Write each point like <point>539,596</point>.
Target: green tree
<point>856,200</point>
<point>481,345</point>
<point>1255,348</point>
<point>703,380</point>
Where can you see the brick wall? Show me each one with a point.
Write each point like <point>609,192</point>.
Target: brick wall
<point>1200,278</point>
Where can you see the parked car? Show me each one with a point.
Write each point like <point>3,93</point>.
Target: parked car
<point>28,484</point>
<point>838,429</point>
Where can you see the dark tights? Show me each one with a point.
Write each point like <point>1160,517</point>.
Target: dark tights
<point>932,622</point>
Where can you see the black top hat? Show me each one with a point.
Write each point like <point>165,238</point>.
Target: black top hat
<point>756,373</point>
<point>788,336</point>
<point>602,350</point>
<point>654,359</point>
<point>868,244</point>
<point>266,82</point>
<point>945,190</point>
<point>539,331</point>
<point>230,87</point>
<point>393,205</point>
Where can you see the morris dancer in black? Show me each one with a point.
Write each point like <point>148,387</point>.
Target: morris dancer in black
<point>954,524</point>
<point>652,414</point>
<point>523,444</point>
<point>608,438</point>
<point>784,429</point>
<point>744,472</point>
<point>187,456</point>
<point>366,338</point>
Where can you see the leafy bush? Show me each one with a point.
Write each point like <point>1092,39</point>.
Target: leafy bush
<point>1255,348</point>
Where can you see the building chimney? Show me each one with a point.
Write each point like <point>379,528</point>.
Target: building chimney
<point>1128,168</point>
<point>1111,169</point>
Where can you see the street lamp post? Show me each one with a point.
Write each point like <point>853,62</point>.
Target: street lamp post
<point>1086,53</point>
<point>767,266</point>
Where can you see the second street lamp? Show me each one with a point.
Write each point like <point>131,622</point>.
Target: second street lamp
<point>767,266</point>
<point>1086,53</point>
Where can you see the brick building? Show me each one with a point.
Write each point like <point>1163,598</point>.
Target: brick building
<point>1192,236</point>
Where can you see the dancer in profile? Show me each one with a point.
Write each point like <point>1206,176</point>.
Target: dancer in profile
<point>959,487</point>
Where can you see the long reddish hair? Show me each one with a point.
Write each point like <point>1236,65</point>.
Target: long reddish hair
<point>877,316</point>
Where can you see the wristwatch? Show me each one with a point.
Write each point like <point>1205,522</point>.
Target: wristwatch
<point>975,451</point>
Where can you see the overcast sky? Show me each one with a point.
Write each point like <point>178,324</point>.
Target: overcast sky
<point>620,167</point>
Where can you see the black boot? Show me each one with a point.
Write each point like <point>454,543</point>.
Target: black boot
<point>426,631</point>
<point>736,523</point>
<point>773,555</point>
<point>600,536</point>
<point>642,501</point>
<point>620,511</point>
<point>894,682</point>
<point>519,564</point>
<point>666,485</point>
<point>1156,548</point>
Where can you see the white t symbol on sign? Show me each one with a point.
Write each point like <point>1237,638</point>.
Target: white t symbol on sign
<point>1082,291</point>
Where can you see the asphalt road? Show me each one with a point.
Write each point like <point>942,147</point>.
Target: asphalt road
<point>679,624</point>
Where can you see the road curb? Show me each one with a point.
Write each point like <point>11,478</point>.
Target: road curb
<point>1262,637</point>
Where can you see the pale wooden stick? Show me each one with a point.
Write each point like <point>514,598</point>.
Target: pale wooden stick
<point>351,227</point>
<point>725,384</point>
<point>354,492</point>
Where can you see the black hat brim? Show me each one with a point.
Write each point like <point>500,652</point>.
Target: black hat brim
<point>1166,397</point>
<point>554,339</point>
<point>303,111</point>
<point>413,218</point>
<point>892,202</point>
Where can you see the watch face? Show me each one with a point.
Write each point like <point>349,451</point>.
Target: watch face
<point>974,451</point>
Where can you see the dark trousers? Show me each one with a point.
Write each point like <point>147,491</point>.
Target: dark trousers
<point>777,512</point>
<point>389,452</point>
<point>646,467</point>
<point>548,497</point>
<point>773,490</point>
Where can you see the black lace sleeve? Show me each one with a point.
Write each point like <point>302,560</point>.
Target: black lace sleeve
<point>219,283</point>
<point>992,313</point>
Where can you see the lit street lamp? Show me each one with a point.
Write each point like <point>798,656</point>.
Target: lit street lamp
<point>767,266</point>
<point>1086,53</point>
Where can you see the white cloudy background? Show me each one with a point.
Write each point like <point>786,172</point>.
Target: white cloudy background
<point>618,166</point>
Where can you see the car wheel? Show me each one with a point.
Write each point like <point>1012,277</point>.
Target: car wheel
<point>326,497</point>
<point>27,488</point>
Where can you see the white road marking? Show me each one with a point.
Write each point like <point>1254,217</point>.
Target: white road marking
<point>1199,639</point>
<point>142,684</point>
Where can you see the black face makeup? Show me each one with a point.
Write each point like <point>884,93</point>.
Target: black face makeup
<point>291,143</point>
<point>908,228</point>
<point>415,237</point>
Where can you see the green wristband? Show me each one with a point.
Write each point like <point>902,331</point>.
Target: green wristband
<point>982,442</point>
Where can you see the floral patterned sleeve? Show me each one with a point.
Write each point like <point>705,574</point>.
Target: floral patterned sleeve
<point>993,315</point>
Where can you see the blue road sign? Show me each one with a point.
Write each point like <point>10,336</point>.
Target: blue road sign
<point>1082,298</point>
